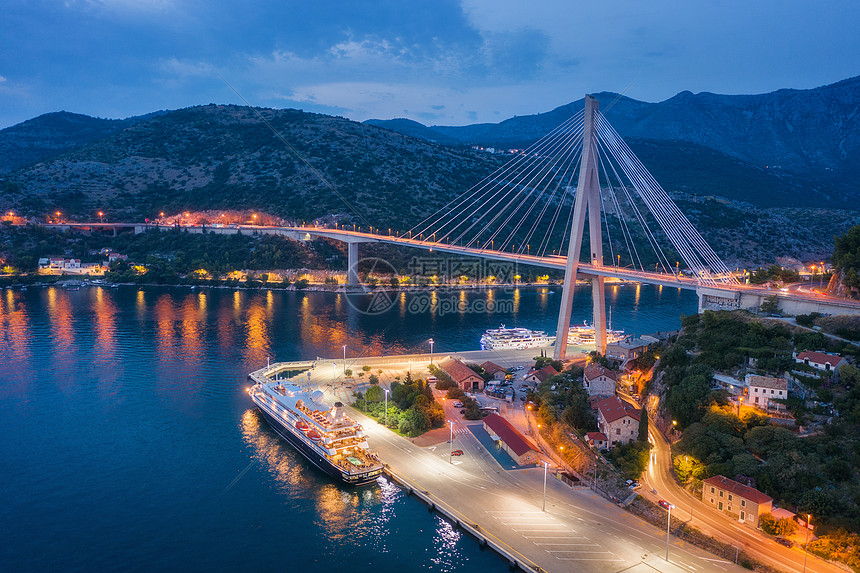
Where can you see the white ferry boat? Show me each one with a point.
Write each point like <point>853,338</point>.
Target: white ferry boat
<point>516,338</point>
<point>584,334</point>
<point>324,434</point>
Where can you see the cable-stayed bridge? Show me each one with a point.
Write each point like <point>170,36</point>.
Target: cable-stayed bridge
<point>533,210</point>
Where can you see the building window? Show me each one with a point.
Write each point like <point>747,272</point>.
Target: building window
<point>743,516</point>
<point>721,506</point>
<point>712,490</point>
<point>721,493</point>
<point>743,503</point>
<point>730,497</point>
<point>617,431</point>
<point>712,500</point>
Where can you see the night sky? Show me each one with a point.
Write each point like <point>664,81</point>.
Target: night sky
<point>437,62</point>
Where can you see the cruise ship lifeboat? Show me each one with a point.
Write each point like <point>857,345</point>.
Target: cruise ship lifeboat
<point>301,426</point>
<point>314,435</point>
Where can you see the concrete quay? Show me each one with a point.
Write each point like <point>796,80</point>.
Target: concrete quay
<point>579,531</point>
<point>502,508</point>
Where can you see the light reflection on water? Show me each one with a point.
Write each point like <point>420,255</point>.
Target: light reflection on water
<point>128,405</point>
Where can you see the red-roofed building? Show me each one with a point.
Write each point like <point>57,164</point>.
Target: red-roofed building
<point>599,381</point>
<point>744,503</point>
<point>820,360</point>
<point>541,375</point>
<point>512,441</point>
<point>466,378</point>
<point>494,370</point>
<point>618,420</point>
<point>597,440</point>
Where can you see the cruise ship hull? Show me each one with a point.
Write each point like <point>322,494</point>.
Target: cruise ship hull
<point>313,456</point>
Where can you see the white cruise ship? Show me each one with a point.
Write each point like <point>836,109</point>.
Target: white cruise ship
<point>584,334</point>
<point>324,434</point>
<point>514,338</point>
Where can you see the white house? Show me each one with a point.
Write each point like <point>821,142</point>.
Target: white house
<point>597,440</point>
<point>820,360</point>
<point>764,389</point>
<point>599,381</point>
<point>618,420</point>
<point>541,375</point>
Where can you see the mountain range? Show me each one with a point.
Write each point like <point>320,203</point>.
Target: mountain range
<point>761,176</point>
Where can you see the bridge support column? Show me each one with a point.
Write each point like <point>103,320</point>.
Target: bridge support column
<point>352,264</point>
<point>598,295</point>
<point>587,195</point>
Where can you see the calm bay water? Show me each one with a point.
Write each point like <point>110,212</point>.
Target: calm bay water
<point>127,440</point>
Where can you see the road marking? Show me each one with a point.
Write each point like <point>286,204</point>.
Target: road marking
<point>554,537</point>
<point>568,545</point>
<point>586,559</point>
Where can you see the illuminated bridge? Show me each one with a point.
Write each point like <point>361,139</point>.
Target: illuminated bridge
<point>578,185</point>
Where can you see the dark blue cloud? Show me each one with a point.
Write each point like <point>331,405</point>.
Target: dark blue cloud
<point>458,62</point>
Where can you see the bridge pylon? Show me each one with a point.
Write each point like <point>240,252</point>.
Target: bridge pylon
<point>587,200</point>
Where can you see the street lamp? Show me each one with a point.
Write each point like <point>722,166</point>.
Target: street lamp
<point>431,352</point>
<point>668,522</point>
<point>740,401</point>
<point>451,443</point>
<point>386,407</point>
<point>344,359</point>
<point>692,486</point>
<point>806,546</point>
<point>545,469</point>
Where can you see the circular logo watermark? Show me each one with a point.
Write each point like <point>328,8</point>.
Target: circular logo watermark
<point>370,297</point>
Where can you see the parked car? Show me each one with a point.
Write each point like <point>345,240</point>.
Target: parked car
<point>664,504</point>
<point>432,379</point>
<point>458,404</point>
<point>783,541</point>
<point>457,453</point>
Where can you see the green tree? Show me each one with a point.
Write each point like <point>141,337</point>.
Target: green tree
<point>643,426</point>
<point>769,305</point>
<point>374,394</point>
<point>785,526</point>
<point>767,522</point>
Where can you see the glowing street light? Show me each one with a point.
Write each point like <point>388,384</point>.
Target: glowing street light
<point>386,407</point>
<point>431,351</point>
<point>451,442</point>
<point>806,545</point>
<point>344,359</point>
<point>545,469</point>
<point>668,522</point>
<point>101,217</point>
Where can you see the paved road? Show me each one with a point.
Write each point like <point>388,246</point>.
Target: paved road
<point>580,531</point>
<point>706,519</point>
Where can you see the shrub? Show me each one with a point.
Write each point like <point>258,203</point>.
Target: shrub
<point>767,522</point>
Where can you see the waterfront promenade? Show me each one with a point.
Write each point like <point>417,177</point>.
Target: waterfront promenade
<point>579,530</point>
